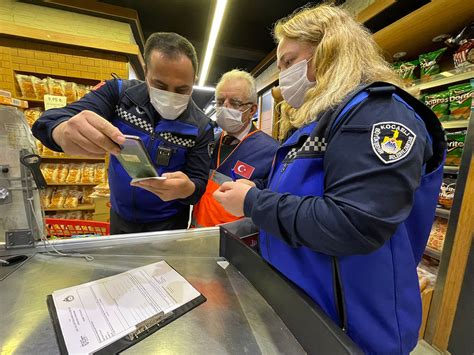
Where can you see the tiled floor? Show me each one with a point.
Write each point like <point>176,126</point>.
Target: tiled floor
<point>423,348</point>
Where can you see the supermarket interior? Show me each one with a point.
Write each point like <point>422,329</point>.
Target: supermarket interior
<point>236,176</point>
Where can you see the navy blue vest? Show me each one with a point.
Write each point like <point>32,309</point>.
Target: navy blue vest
<point>385,321</point>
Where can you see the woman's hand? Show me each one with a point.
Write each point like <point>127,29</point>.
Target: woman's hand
<point>231,195</point>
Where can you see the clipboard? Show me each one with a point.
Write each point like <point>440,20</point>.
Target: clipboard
<point>124,343</point>
<point>145,329</point>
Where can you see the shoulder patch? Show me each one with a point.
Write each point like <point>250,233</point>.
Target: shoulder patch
<point>391,141</point>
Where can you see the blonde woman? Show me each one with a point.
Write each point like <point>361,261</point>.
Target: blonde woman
<point>351,197</point>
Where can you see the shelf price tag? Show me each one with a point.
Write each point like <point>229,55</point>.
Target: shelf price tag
<point>52,101</point>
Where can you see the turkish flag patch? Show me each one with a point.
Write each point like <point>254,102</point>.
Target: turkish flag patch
<point>243,169</point>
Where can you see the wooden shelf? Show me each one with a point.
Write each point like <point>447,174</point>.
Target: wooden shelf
<point>443,213</point>
<point>38,100</point>
<point>52,157</point>
<point>72,184</point>
<point>451,169</point>
<point>445,78</point>
<point>455,124</point>
<point>436,254</point>
<point>78,208</point>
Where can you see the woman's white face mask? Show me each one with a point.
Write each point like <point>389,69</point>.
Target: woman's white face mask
<point>294,83</point>
<point>168,104</point>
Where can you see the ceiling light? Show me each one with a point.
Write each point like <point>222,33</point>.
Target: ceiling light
<point>216,24</point>
<point>204,88</point>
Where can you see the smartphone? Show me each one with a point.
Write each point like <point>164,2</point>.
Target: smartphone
<point>136,161</point>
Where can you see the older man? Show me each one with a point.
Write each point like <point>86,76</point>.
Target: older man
<point>241,152</point>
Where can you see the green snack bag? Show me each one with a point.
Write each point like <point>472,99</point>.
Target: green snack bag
<point>460,99</point>
<point>406,70</point>
<point>429,63</point>
<point>455,146</point>
<point>439,104</point>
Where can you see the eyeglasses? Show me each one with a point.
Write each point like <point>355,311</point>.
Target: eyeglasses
<point>234,103</point>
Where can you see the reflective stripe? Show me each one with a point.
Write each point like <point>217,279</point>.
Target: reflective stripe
<point>218,177</point>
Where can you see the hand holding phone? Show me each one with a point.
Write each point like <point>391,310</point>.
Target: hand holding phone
<point>135,160</point>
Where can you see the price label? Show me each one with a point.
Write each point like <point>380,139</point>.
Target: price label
<point>52,101</point>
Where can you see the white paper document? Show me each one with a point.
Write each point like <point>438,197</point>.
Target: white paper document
<point>96,314</point>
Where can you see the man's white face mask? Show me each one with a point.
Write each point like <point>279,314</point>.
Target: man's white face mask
<point>229,119</point>
<point>168,104</point>
<point>294,83</point>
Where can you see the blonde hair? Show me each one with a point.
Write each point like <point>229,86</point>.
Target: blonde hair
<point>237,74</point>
<point>345,56</point>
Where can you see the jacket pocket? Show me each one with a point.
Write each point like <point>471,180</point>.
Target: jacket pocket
<point>339,295</point>
<point>355,128</point>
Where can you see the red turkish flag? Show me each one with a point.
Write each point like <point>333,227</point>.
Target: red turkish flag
<point>243,169</point>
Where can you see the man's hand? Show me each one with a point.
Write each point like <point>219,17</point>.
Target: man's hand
<point>88,134</point>
<point>231,195</point>
<point>177,185</point>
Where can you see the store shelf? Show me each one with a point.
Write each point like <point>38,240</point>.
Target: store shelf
<point>38,100</point>
<point>52,157</point>
<point>451,169</point>
<point>78,208</point>
<point>436,254</point>
<point>445,78</point>
<point>443,213</point>
<point>72,184</point>
<point>455,124</point>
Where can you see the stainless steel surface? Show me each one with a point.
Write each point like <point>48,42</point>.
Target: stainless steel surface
<point>235,318</point>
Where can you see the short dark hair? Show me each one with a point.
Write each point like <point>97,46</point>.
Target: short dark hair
<point>172,45</point>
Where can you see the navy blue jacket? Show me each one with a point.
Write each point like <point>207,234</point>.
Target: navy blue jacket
<point>126,104</point>
<point>348,210</point>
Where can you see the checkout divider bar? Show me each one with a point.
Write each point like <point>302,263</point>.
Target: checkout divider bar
<point>313,329</point>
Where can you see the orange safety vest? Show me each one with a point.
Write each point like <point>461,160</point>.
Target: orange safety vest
<point>208,212</point>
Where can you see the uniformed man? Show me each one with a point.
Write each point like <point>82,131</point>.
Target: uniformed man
<point>241,152</point>
<point>161,112</point>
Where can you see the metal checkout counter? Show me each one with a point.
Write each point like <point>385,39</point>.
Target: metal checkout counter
<point>250,307</point>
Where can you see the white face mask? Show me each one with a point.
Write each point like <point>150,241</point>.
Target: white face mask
<point>168,104</point>
<point>294,83</point>
<point>229,119</point>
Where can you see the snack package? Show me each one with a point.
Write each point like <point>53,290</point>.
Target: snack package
<point>406,70</point>
<point>74,215</point>
<point>75,173</point>
<point>439,104</point>
<point>39,147</point>
<point>46,197</point>
<point>88,173</point>
<point>446,193</point>
<point>460,99</point>
<point>58,198</point>
<point>41,87</point>
<point>102,190</point>
<point>56,87</point>
<point>50,172</point>
<point>32,115</point>
<point>26,86</point>
<point>438,233</point>
<point>88,216</point>
<point>425,278</point>
<point>81,91</point>
<point>72,199</point>
<point>70,91</point>
<point>100,174</point>
<point>429,63</point>
<point>464,56</point>
<point>87,196</point>
<point>455,146</point>
<point>48,152</point>
<point>63,172</point>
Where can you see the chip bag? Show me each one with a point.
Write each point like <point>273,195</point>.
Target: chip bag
<point>439,104</point>
<point>455,146</point>
<point>460,99</point>
<point>406,70</point>
<point>429,63</point>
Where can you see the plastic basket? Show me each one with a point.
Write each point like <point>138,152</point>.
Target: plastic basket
<point>75,227</point>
